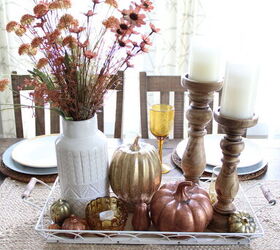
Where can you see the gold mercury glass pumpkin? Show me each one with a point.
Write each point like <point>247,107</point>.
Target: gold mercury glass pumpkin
<point>135,172</point>
<point>241,222</point>
<point>59,211</point>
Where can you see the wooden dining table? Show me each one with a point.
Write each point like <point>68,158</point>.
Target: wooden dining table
<point>270,150</point>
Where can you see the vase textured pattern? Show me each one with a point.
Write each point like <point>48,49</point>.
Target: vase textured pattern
<point>82,161</point>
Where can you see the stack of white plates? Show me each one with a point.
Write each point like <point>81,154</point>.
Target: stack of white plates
<point>34,156</point>
<point>251,159</point>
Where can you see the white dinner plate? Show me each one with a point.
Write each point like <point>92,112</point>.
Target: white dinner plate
<point>242,171</point>
<point>251,155</point>
<point>11,164</point>
<point>38,152</point>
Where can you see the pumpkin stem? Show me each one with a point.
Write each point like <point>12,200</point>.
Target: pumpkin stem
<point>181,194</point>
<point>135,146</point>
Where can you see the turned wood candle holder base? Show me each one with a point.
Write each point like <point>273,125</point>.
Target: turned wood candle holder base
<point>199,115</point>
<point>227,183</point>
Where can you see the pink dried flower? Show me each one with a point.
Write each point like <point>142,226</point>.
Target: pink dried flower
<point>89,13</point>
<point>77,30</point>
<point>89,54</point>
<point>146,5</point>
<point>146,40</point>
<point>154,29</point>
<point>129,65</point>
<point>84,44</point>
<point>143,47</point>
<point>124,43</point>
<point>132,15</point>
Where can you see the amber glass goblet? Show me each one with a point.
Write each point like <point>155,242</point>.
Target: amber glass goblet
<point>161,122</point>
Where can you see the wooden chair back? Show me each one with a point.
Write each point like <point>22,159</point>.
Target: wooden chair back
<point>18,80</point>
<point>165,85</point>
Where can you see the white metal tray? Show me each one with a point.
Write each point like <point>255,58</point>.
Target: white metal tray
<point>141,237</point>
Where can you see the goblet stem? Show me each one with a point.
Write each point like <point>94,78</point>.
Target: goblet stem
<point>164,167</point>
<point>160,146</point>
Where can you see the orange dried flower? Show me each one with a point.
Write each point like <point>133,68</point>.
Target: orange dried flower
<point>60,4</point>
<point>36,42</point>
<point>70,41</point>
<point>58,61</point>
<point>20,30</point>
<point>112,3</point>
<point>41,9</point>
<point>42,63</point>
<point>111,22</point>
<point>23,49</point>
<point>32,51</point>
<point>3,84</point>
<point>54,35</point>
<point>27,19</point>
<point>12,26</point>
<point>66,21</point>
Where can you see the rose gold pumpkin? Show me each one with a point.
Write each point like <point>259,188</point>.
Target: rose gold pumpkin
<point>181,207</point>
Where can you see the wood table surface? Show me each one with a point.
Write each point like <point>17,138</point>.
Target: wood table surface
<point>271,153</point>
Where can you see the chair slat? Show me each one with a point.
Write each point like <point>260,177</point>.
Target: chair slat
<point>100,119</point>
<point>17,108</point>
<point>143,104</point>
<point>179,115</point>
<point>164,83</point>
<point>164,97</point>
<point>54,122</point>
<point>39,121</point>
<point>119,115</point>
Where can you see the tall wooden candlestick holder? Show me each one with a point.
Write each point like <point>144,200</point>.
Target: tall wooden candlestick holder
<point>199,114</point>
<point>227,183</point>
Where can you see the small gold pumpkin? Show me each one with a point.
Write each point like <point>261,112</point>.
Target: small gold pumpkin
<point>59,211</point>
<point>135,172</point>
<point>241,222</point>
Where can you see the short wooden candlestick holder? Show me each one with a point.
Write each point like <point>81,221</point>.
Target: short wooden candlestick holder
<point>199,114</point>
<point>227,183</point>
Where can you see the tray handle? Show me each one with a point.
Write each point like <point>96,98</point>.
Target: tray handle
<point>28,190</point>
<point>267,194</point>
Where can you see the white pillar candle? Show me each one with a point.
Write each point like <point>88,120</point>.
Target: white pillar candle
<point>239,90</point>
<point>206,62</point>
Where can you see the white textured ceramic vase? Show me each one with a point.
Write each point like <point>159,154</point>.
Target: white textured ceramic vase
<point>82,161</point>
